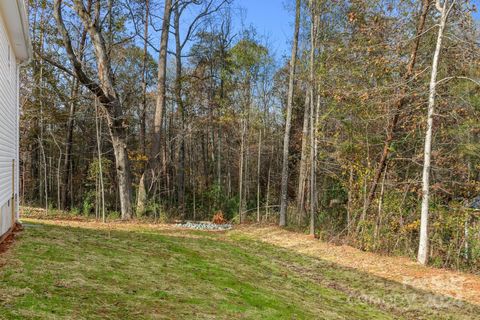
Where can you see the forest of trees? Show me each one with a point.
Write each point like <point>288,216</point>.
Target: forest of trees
<point>366,134</point>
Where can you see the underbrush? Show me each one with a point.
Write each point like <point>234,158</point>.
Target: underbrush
<point>390,228</point>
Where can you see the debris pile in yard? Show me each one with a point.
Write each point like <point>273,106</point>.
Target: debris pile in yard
<point>203,225</point>
<point>218,218</point>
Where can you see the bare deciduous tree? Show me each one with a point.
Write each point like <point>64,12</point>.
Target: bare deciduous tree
<point>288,120</point>
<point>444,10</point>
<point>105,91</point>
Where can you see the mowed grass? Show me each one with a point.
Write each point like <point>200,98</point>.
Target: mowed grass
<point>57,272</point>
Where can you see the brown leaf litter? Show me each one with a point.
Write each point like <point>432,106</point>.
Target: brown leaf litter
<point>455,284</point>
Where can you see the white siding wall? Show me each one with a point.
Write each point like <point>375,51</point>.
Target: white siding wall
<point>17,143</point>
<point>8,127</point>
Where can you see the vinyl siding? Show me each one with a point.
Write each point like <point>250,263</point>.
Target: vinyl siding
<point>8,127</point>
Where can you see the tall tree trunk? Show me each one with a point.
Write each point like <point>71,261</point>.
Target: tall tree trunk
<point>423,243</point>
<point>181,111</point>
<point>313,116</point>
<point>42,109</point>
<point>267,196</point>
<point>143,111</point>
<point>398,105</point>
<point>66,201</point>
<point>246,155</point>
<point>59,166</point>
<point>100,164</point>
<point>192,172</point>
<point>243,166</point>
<point>219,158</point>
<point>259,159</point>
<point>240,171</point>
<point>288,120</point>
<point>350,200</point>
<point>378,224</point>
<point>154,157</point>
<point>302,176</point>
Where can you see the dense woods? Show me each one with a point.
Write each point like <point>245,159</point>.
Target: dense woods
<point>366,134</point>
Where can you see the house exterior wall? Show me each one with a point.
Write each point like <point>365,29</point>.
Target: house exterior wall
<point>9,131</point>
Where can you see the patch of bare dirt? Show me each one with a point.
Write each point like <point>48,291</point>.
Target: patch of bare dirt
<point>7,242</point>
<point>458,285</point>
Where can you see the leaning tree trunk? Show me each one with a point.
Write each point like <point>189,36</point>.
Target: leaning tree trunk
<point>288,120</point>
<point>65,199</point>
<point>105,91</point>
<point>423,244</point>
<point>391,129</point>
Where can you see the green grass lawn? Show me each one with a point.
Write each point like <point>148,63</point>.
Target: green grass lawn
<point>55,272</point>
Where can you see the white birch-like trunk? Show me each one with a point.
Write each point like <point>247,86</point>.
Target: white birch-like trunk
<point>423,243</point>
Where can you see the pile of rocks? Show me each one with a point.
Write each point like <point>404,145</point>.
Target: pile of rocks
<point>204,226</point>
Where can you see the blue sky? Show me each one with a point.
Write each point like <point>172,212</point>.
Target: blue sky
<point>272,19</point>
<point>477,4</point>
